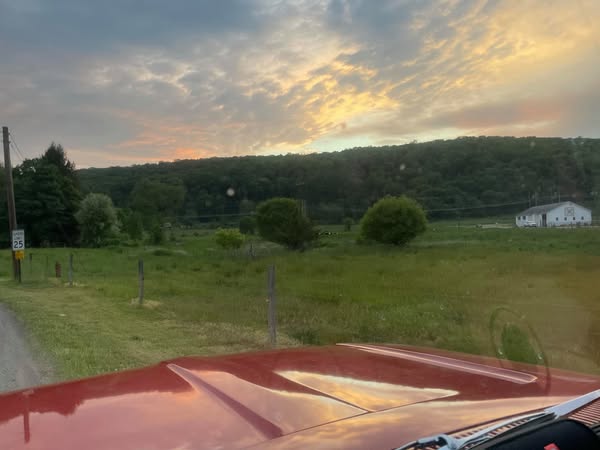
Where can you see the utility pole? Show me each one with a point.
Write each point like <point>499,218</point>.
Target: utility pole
<point>10,196</point>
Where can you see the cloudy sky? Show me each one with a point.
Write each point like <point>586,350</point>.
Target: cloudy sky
<point>121,82</point>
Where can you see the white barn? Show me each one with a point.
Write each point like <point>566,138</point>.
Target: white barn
<point>554,215</point>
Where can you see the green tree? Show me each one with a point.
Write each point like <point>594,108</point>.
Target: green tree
<point>47,197</point>
<point>229,239</point>
<point>281,220</point>
<point>247,225</point>
<point>157,200</point>
<point>55,155</point>
<point>471,173</point>
<point>68,180</point>
<point>203,202</point>
<point>131,223</point>
<point>97,218</point>
<point>393,220</point>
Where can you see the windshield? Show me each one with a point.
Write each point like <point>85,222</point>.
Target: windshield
<point>198,178</point>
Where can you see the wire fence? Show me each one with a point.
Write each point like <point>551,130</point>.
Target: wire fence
<point>317,297</point>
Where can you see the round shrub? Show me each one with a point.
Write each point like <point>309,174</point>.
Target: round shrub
<point>393,220</point>
<point>281,220</point>
<point>229,239</point>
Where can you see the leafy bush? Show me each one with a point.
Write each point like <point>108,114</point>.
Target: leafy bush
<point>97,218</point>
<point>281,220</point>
<point>229,239</point>
<point>247,225</point>
<point>393,220</point>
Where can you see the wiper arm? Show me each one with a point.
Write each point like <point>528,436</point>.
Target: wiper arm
<point>554,412</point>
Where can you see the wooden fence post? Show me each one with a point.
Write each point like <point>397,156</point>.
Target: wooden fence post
<point>71,270</point>
<point>272,317</point>
<point>141,281</point>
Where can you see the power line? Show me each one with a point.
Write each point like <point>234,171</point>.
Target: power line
<point>17,153</point>
<point>12,141</point>
<point>314,209</point>
<point>464,208</point>
<point>209,216</point>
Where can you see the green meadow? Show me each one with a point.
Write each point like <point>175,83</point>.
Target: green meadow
<point>524,292</point>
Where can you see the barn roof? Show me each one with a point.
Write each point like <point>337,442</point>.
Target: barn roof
<point>542,209</point>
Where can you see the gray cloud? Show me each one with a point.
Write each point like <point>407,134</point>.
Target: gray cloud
<point>104,26</point>
<point>124,82</point>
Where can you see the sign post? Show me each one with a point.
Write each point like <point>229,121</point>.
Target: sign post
<point>18,247</point>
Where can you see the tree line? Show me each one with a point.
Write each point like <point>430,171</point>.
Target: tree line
<point>442,175</point>
<point>474,176</point>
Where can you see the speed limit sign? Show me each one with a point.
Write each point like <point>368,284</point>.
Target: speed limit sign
<point>18,240</point>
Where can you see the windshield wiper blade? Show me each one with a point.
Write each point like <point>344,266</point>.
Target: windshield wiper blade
<point>448,442</point>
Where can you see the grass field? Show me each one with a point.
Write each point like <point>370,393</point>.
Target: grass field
<point>442,290</point>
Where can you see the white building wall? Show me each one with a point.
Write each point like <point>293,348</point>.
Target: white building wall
<point>569,214</point>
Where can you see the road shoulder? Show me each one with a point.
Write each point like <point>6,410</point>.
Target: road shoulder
<point>19,367</point>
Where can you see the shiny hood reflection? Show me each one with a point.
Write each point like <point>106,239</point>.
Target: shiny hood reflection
<point>278,398</point>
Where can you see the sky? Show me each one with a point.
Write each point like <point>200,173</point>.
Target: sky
<point>121,82</point>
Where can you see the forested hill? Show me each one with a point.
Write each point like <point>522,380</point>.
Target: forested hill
<point>464,176</point>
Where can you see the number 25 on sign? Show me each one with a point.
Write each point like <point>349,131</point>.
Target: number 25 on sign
<point>18,240</point>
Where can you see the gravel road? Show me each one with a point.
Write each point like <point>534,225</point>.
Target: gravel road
<point>18,368</point>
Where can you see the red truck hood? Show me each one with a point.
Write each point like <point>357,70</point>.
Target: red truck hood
<point>349,396</point>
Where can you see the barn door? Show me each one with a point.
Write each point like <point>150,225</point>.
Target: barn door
<point>544,220</point>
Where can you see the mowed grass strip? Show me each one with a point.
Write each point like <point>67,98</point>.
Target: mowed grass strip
<point>439,291</point>
<point>83,333</point>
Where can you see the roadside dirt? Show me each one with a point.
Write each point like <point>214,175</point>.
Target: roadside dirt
<point>18,367</point>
